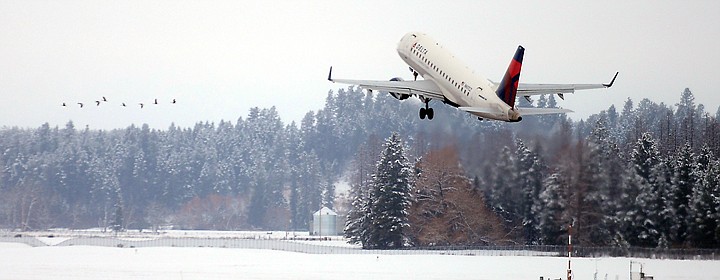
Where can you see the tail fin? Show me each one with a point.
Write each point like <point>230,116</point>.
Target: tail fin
<point>509,84</point>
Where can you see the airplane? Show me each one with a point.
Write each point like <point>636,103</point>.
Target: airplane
<point>446,79</point>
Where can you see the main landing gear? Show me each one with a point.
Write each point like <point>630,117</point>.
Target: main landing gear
<point>427,111</point>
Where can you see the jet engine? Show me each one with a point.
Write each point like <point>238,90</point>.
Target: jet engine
<point>398,96</point>
<point>514,116</point>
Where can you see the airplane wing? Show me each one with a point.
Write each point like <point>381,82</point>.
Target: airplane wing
<point>538,89</point>
<point>425,88</point>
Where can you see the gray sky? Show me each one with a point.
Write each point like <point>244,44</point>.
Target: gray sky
<point>218,59</point>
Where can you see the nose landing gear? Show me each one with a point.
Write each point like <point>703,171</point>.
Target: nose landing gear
<point>415,74</point>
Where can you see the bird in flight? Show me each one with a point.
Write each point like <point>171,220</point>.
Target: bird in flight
<point>97,102</point>
<point>104,99</point>
<point>64,104</point>
<point>156,101</point>
<point>81,105</point>
<point>141,105</point>
<point>123,104</point>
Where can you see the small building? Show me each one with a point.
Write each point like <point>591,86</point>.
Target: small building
<point>325,223</point>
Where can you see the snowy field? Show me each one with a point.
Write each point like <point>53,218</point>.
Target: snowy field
<point>20,261</point>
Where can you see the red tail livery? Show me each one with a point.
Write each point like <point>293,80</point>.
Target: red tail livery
<point>509,84</point>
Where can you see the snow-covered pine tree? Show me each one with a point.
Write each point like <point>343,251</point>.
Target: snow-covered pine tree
<point>503,190</point>
<point>637,214</point>
<point>612,163</point>
<point>390,198</point>
<point>360,185</point>
<point>661,179</point>
<point>702,208</point>
<point>357,224</point>
<point>593,186</point>
<point>648,203</point>
<point>681,189</point>
<point>530,175</point>
<point>626,126</point>
<point>686,117</point>
<point>551,210</point>
<point>716,201</point>
<point>309,192</point>
<point>627,212</point>
<point>118,219</point>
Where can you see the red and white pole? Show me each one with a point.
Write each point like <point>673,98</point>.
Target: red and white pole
<point>569,270</point>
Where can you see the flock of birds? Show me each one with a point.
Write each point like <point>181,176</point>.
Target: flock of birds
<point>104,100</point>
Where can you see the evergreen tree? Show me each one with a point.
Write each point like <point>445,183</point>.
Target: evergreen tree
<point>681,189</point>
<point>661,178</point>
<point>530,175</point>
<point>629,229</point>
<point>360,186</point>
<point>328,195</point>
<point>390,198</point>
<point>593,225</point>
<point>638,215</point>
<point>646,160</point>
<point>552,222</point>
<point>504,192</point>
<point>309,184</point>
<point>627,127</point>
<point>356,224</point>
<point>702,209</point>
<point>118,219</point>
<point>687,118</point>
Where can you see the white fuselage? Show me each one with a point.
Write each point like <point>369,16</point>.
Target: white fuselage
<point>460,85</point>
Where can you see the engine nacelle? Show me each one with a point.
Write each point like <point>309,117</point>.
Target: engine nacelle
<point>514,116</point>
<point>398,96</point>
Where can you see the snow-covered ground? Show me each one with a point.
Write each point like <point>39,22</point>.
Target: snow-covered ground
<point>20,261</point>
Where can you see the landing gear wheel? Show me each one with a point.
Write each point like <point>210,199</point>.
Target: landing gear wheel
<point>427,111</point>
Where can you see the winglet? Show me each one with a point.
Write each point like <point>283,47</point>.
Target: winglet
<point>611,82</point>
<point>330,75</point>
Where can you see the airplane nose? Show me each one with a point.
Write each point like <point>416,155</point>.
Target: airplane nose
<point>404,42</point>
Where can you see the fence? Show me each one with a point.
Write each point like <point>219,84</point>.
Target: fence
<point>335,247</point>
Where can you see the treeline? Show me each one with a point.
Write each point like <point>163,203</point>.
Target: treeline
<point>535,177</point>
<point>255,173</point>
<point>647,176</point>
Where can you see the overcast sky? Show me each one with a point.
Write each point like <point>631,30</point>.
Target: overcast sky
<point>218,59</point>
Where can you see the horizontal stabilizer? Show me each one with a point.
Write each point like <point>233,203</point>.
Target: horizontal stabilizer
<point>478,110</point>
<point>541,111</point>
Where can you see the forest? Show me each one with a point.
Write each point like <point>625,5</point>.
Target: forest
<point>645,176</point>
